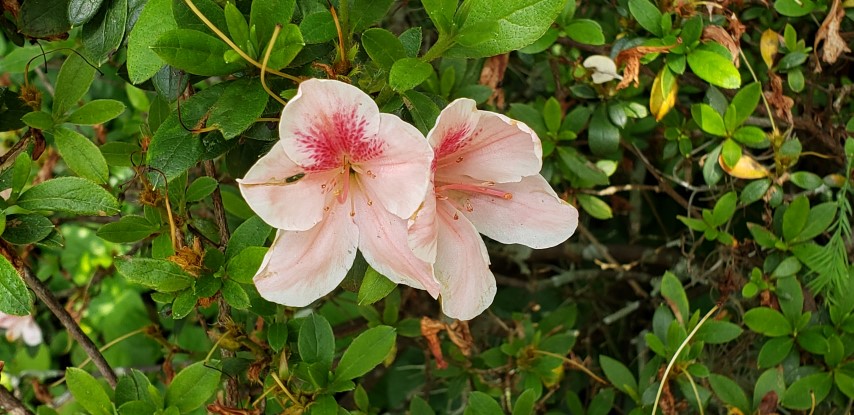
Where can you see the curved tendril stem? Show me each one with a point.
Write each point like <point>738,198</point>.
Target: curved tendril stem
<point>234,47</point>
<point>267,53</point>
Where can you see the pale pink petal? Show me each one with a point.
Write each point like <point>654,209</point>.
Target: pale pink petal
<point>496,148</point>
<point>462,266</point>
<point>534,216</point>
<point>21,327</point>
<point>327,120</point>
<point>398,178</point>
<point>423,229</point>
<point>383,242</point>
<point>31,333</point>
<point>284,195</point>
<point>301,267</point>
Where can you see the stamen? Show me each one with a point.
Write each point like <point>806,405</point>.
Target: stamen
<point>476,189</point>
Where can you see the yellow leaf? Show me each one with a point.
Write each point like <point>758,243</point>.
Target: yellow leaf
<point>734,411</point>
<point>663,95</point>
<point>746,168</point>
<point>768,45</point>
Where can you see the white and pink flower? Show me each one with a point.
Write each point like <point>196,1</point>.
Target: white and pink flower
<point>21,327</point>
<point>486,180</point>
<point>342,177</point>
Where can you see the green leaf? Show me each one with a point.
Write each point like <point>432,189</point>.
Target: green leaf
<point>724,209</point>
<point>762,236</point>
<point>98,111</point>
<point>751,136</point>
<point>154,20</point>
<point>88,392</point>
<point>819,219</point>
<point>81,155</point>
<point>672,290</point>
<point>38,119</point>
<point>375,287</point>
<point>158,274</point>
<point>243,266</point>
<point>767,321</point>
<point>12,108</point>
<point>745,102</point>
<point>411,41</point>
<point>43,18</point>
<point>730,153</point>
<point>132,387</point>
<point>15,299</point>
<point>619,375</point>
<point>70,195</point>
<point>383,47</point>
<point>714,69</point>
<point>119,154</point>
<point>807,391</point>
<point>519,23</point>
<point>104,33</point>
<point>423,110</point>
<point>81,11</point>
<point>552,114</point>
<point>794,8</point>
<point>795,218</point>
<point>238,28</point>
<point>407,73</point>
<point>26,229</point>
<point>694,224</point>
<point>708,119</point>
<point>75,77</point>
<point>717,332</point>
<point>195,52</point>
<point>266,14</point>
<point>318,27</point>
<point>806,180</point>
<point>729,392</point>
<point>192,387</point>
<point>252,232</point>
<point>364,13</point>
<point>813,341</point>
<point>184,304</point>
<point>287,46</point>
<point>595,206</point>
<point>316,344</point>
<point>585,31</point>
<point>525,402</point>
<point>482,404</point>
<point>368,350</point>
<point>603,136</point>
<point>237,108</point>
<point>441,12</point>
<point>235,295</point>
<point>844,381</point>
<point>277,335</point>
<point>647,15</point>
<point>754,191</point>
<point>128,229</point>
<point>201,188</point>
<point>187,18</point>
<point>712,172</point>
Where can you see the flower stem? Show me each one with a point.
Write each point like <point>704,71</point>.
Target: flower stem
<point>444,43</point>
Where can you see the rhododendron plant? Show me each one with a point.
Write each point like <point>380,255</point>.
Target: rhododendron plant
<point>21,327</point>
<point>342,176</point>
<point>486,179</point>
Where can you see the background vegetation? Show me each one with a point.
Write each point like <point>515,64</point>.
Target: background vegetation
<point>713,167</point>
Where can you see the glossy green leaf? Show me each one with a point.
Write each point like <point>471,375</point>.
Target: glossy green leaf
<point>423,110</point>
<point>595,206</point>
<point>15,299</point>
<point>277,335</point>
<point>316,343</point>
<point>157,274</point>
<point>81,155</point>
<point>807,391</point>
<point>73,81</point>
<point>201,188</point>
<point>364,13</point>
<point>235,295</point>
<point>795,218</point>
<point>154,20</point>
<point>794,8</point>
<point>237,108</point>
<point>195,52</point>
<point>252,232</point>
<point>127,229</point>
<point>603,135</point>
<point>525,402</point>
<point>647,15</point>
<point>806,180</point>
<point>774,351</point>
<point>671,289</point>
<point>724,208</point>
<point>767,321</point>
<point>585,31</point>
<point>375,287</point>
<point>81,11</point>
<point>482,404</point>
<point>619,375</point>
<point>708,119</point>
<point>318,27</point>
<point>288,44</point>
<point>818,221</point>
<point>38,119</point>
<point>70,195</point>
<point>729,392</point>
<point>441,12</point>
<point>751,136</point>
<point>754,191</point>
<point>717,332</point>
<point>26,229</point>
<point>266,14</point>
<point>745,102</point>
<point>730,152</point>
<point>238,28</point>
<point>104,33</point>
<point>407,73</point>
<point>383,47</point>
<point>193,387</point>
<point>367,350</point>
<point>714,69</point>
<point>98,111</point>
<point>88,392</point>
<point>43,18</point>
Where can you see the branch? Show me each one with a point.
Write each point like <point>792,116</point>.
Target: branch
<point>11,404</point>
<point>47,297</point>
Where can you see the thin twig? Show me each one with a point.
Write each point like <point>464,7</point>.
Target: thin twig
<point>47,297</point>
<point>11,404</point>
<point>219,209</point>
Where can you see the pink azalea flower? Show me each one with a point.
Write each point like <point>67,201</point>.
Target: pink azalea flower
<point>487,180</point>
<point>342,176</point>
<point>21,327</point>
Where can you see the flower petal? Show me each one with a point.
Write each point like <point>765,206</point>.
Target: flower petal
<point>328,120</point>
<point>535,216</point>
<point>31,333</point>
<point>462,266</point>
<point>399,177</point>
<point>496,148</point>
<point>276,191</point>
<point>301,267</point>
<point>383,242</point>
<point>423,230</point>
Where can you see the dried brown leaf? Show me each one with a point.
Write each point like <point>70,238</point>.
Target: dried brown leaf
<point>834,45</point>
<point>781,103</point>
<point>492,74</point>
<point>720,35</point>
<point>631,58</point>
